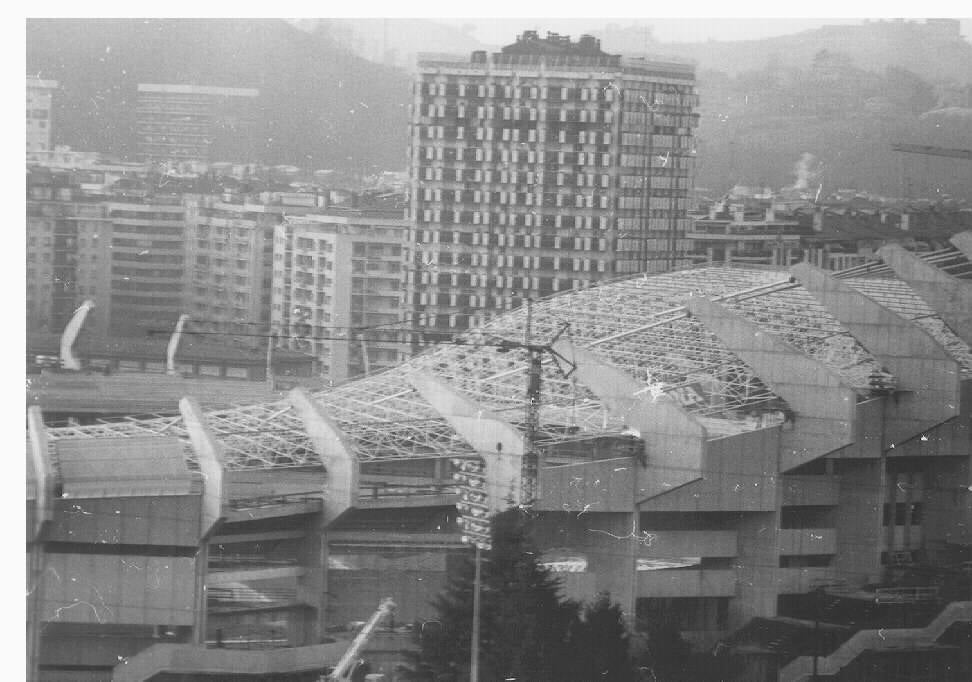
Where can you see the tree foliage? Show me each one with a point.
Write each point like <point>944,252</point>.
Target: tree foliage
<point>527,631</point>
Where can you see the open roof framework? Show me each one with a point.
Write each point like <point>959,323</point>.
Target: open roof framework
<point>638,323</point>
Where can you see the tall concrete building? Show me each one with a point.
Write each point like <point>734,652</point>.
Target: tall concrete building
<point>194,123</point>
<point>542,168</point>
<point>40,96</point>
<point>341,273</point>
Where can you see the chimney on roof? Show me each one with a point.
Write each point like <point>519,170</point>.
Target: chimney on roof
<point>818,220</point>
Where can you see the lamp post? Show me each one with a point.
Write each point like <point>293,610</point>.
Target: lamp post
<point>474,653</point>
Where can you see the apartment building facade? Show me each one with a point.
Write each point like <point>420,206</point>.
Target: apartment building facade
<point>40,97</point>
<point>230,260</point>
<point>340,275</point>
<point>194,123</point>
<point>67,251</point>
<point>543,168</point>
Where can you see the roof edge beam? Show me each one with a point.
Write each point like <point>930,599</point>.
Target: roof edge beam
<point>336,452</point>
<point>209,454</point>
<point>924,370</point>
<point>500,444</point>
<point>674,441</point>
<point>949,296</point>
<point>825,406</point>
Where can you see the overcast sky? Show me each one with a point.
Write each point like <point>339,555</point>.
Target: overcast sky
<point>498,30</point>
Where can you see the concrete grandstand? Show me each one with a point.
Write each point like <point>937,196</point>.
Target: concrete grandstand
<point>712,442</point>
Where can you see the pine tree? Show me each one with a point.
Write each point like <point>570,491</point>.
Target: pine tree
<point>599,644</point>
<point>527,632</point>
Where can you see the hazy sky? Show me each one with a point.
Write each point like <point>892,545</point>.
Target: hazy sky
<point>499,30</point>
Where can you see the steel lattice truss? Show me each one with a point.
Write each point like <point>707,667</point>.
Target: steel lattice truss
<point>793,314</point>
<point>638,323</point>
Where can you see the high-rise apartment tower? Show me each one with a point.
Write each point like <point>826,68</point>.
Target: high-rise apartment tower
<point>542,168</point>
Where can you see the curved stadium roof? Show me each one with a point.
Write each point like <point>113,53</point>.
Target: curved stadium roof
<point>637,323</point>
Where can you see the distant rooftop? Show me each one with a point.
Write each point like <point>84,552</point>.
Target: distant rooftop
<point>197,90</point>
<point>559,52</point>
<point>530,42</point>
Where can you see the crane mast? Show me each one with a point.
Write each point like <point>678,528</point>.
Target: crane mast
<point>342,671</point>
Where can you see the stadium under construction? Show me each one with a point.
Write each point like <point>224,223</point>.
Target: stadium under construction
<point>717,447</point>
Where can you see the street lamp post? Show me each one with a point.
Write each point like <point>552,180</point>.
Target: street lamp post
<point>474,654</point>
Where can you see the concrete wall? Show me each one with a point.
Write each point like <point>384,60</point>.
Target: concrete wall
<point>740,474</point>
<point>603,486</point>
<point>168,520</point>
<point>98,588</point>
<point>859,522</point>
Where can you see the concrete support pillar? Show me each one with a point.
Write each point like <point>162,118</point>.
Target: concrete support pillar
<point>42,473</point>
<point>756,568</point>
<point>949,296</point>
<point>859,525</point>
<point>825,406</point>
<point>675,442</point>
<point>947,515</point>
<point>312,585</point>
<point>209,454</point>
<point>501,444</point>
<point>340,492</point>
<point>928,379</point>
<point>341,489</point>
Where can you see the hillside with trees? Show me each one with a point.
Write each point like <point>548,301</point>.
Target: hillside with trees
<point>841,93</point>
<point>321,106</point>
